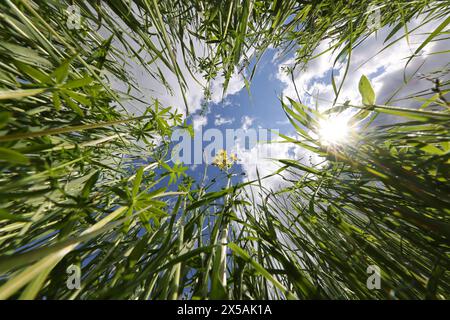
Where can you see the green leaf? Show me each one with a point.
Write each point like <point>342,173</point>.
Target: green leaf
<point>72,105</point>
<point>78,83</point>
<point>137,182</point>
<point>299,166</point>
<point>209,198</point>
<point>4,118</point>
<point>244,255</point>
<point>60,74</point>
<point>56,101</point>
<point>366,91</point>
<point>19,94</point>
<point>5,215</point>
<point>32,72</point>
<point>89,185</point>
<point>13,156</point>
<point>81,98</point>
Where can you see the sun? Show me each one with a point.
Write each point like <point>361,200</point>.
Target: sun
<point>334,130</point>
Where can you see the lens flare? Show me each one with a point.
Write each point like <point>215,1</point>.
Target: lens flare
<point>334,130</point>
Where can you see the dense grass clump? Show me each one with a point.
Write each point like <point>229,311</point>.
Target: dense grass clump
<point>85,181</point>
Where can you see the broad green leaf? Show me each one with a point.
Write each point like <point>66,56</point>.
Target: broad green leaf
<point>78,83</point>
<point>366,91</point>
<point>81,98</point>
<point>72,105</point>
<point>33,72</point>
<point>61,73</point>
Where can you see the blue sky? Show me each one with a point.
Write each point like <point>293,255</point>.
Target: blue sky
<point>263,105</point>
<point>259,109</point>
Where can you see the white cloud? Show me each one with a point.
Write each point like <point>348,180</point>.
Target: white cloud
<point>246,122</point>
<point>235,85</point>
<point>228,103</point>
<point>252,162</point>
<point>263,157</point>
<point>219,120</point>
<point>282,122</point>
<point>198,122</point>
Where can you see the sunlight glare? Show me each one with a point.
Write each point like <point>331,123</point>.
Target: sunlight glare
<point>334,130</point>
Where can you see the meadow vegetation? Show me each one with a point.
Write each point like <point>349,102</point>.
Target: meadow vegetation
<point>81,175</point>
